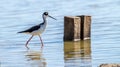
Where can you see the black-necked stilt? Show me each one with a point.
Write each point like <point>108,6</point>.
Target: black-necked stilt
<point>38,29</point>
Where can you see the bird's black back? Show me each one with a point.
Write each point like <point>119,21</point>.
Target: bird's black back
<point>32,28</point>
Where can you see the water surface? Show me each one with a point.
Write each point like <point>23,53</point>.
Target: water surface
<point>18,15</point>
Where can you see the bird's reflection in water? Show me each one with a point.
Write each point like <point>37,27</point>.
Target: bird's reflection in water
<point>77,54</point>
<point>35,59</point>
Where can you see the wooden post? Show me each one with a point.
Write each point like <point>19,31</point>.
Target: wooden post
<point>71,28</point>
<point>77,28</point>
<point>85,27</point>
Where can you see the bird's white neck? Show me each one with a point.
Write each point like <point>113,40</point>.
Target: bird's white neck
<point>44,18</point>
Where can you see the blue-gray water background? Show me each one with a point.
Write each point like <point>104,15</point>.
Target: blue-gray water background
<point>17,15</point>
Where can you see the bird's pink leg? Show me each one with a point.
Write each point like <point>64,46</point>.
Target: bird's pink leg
<point>28,40</point>
<point>41,41</point>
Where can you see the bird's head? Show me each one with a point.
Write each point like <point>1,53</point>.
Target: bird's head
<point>45,14</point>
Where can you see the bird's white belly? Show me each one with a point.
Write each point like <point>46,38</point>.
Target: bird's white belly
<point>39,31</point>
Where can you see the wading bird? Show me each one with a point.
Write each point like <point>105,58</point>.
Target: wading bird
<point>38,29</point>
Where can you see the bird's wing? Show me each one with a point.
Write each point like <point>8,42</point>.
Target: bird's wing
<point>31,29</point>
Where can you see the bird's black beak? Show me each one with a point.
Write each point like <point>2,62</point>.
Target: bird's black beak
<point>52,17</point>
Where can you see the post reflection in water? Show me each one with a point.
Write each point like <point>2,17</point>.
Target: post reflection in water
<point>77,54</point>
<point>35,59</point>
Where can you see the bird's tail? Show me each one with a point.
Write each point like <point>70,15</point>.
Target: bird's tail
<point>21,32</point>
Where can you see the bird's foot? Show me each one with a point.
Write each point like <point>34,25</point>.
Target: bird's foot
<point>42,46</point>
<point>26,45</point>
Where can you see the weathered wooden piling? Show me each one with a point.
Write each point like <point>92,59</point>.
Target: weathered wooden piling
<point>77,28</point>
<point>71,28</point>
<point>85,27</point>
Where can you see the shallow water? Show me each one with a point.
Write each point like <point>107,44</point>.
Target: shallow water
<point>18,15</point>
<point>77,54</point>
